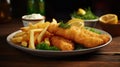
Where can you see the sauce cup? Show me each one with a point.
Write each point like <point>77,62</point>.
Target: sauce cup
<point>32,18</point>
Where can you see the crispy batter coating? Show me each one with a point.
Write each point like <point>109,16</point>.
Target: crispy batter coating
<point>62,43</point>
<point>79,35</point>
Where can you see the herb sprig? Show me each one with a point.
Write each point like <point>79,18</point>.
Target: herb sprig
<point>44,46</point>
<point>88,16</point>
<point>64,25</point>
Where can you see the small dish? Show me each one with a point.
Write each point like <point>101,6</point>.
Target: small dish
<point>91,23</point>
<point>32,18</point>
<point>113,29</point>
<point>87,15</point>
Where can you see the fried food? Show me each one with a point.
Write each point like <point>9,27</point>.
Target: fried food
<point>61,37</point>
<point>62,43</point>
<point>35,26</point>
<point>79,35</point>
<point>31,35</point>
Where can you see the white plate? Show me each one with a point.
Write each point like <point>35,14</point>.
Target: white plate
<point>48,53</point>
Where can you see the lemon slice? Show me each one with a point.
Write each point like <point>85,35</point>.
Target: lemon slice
<point>81,11</point>
<point>109,18</point>
<point>76,22</point>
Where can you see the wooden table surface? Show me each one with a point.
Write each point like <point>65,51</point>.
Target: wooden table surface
<point>108,56</point>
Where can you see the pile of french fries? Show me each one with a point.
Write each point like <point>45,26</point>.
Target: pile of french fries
<point>32,34</point>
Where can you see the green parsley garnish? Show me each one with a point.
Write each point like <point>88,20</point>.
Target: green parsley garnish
<point>93,30</point>
<point>44,46</point>
<point>64,25</point>
<point>88,16</point>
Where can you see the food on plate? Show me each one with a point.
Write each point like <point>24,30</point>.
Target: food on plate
<point>59,36</point>
<point>85,14</point>
<point>62,43</point>
<point>109,18</point>
<point>79,35</point>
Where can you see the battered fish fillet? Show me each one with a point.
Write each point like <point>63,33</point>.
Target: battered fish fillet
<point>61,43</point>
<point>79,35</point>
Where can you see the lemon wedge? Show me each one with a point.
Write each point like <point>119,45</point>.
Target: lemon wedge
<point>81,11</point>
<point>76,22</point>
<point>109,18</point>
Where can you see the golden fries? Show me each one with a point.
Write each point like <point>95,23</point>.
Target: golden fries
<point>31,41</point>
<point>17,39</point>
<point>24,43</point>
<point>41,34</point>
<point>31,34</point>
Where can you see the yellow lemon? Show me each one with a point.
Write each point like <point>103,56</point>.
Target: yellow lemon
<point>81,11</point>
<point>109,18</point>
<point>76,22</point>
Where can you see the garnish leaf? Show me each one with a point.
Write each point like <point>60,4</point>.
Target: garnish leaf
<point>45,46</point>
<point>64,25</point>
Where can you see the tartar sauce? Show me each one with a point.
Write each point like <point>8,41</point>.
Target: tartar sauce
<point>33,16</point>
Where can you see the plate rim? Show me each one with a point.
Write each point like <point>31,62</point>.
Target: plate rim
<point>88,20</point>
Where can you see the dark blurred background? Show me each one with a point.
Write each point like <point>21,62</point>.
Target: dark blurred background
<point>61,9</point>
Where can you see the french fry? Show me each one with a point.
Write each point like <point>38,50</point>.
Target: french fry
<point>31,41</point>
<point>25,29</point>
<point>24,43</point>
<point>33,27</point>
<point>36,34</point>
<point>43,25</point>
<point>33,34</point>
<point>19,34</point>
<point>47,41</point>
<point>39,23</point>
<point>41,34</point>
<point>54,21</point>
<point>17,39</point>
